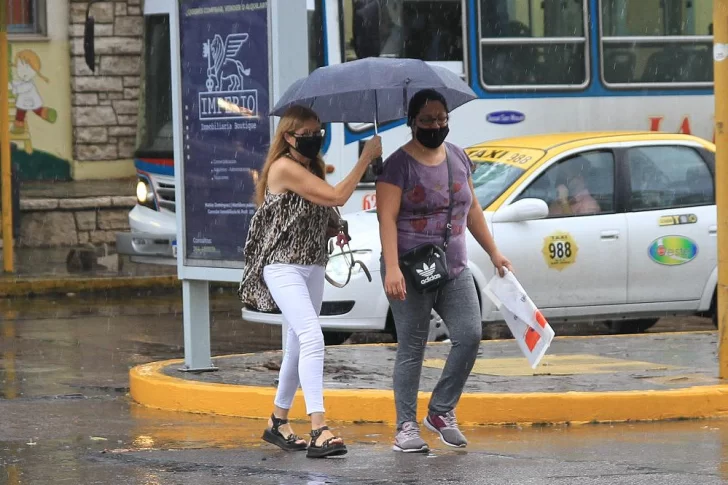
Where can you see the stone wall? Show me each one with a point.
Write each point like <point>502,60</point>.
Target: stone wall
<point>72,222</point>
<point>105,102</point>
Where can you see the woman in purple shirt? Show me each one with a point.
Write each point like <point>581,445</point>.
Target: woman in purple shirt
<point>412,205</point>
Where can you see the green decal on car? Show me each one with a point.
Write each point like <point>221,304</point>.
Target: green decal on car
<point>673,250</point>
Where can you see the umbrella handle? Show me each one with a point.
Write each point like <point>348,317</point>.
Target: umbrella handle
<point>377,166</point>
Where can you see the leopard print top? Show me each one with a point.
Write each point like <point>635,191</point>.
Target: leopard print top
<point>287,229</point>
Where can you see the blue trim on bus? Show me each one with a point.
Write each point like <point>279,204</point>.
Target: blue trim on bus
<point>325,40</point>
<point>593,29</point>
<point>153,168</point>
<point>354,136</point>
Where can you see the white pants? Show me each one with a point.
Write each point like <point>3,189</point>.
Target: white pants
<point>298,291</point>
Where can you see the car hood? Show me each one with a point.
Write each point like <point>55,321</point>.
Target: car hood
<point>364,230</point>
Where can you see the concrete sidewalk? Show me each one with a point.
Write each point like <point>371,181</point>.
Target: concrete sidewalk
<point>58,221</point>
<point>581,379</point>
<point>44,271</point>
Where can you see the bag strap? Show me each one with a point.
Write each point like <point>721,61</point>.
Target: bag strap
<point>342,240</point>
<point>451,201</point>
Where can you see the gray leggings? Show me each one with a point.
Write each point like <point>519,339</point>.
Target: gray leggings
<point>457,303</point>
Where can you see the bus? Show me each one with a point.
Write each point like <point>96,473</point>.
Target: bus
<point>536,66</point>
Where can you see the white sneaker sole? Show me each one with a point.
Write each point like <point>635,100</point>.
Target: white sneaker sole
<point>427,424</point>
<point>424,449</point>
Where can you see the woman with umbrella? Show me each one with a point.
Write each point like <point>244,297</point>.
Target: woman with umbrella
<point>285,256</point>
<point>414,205</point>
<point>425,201</point>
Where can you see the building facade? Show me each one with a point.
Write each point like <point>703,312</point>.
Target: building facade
<point>67,122</point>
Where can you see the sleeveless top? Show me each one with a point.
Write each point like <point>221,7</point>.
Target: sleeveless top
<point>286,229</point>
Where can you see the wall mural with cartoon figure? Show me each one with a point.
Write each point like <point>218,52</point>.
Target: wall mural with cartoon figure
<point>38,84</point>
<point>27,97</point>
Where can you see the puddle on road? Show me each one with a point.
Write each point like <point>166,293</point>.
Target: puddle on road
<point>52,347</point>
<point>64,377</point>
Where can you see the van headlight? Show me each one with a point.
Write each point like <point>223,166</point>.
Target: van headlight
<point>144,192</point>
<point>338,266</point>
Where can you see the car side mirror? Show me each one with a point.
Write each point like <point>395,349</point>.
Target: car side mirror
<point>89,49</point>
<point>522,210</point>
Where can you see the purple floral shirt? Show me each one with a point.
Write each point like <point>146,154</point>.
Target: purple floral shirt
<point>423,210</point>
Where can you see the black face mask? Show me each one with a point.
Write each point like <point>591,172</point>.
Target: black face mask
<point>309,146</point>
<point>432,137</point>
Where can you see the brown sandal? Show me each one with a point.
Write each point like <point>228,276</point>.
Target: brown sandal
<point>326,448</point>
<point>273,436</point>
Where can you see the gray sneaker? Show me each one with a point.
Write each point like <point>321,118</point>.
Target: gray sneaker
<point>447,427</point>
<point>408,439</point>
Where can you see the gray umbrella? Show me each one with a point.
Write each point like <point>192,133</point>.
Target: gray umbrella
<point>373,89</point>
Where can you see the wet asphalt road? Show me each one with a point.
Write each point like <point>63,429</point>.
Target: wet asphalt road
<point>65,417</point>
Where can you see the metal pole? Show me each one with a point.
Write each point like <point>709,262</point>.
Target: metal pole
<point>720,39</point>
<point>196,321</point>
<point>5,162</point>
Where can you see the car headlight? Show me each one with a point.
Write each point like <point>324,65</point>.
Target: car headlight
<point>338,266</point>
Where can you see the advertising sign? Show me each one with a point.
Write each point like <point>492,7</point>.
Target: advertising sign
<point>225,125</point>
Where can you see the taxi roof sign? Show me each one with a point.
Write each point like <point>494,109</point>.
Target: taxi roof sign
<point>523,158</point>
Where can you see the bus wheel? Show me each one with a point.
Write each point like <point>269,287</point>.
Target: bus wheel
<point>631,326</point>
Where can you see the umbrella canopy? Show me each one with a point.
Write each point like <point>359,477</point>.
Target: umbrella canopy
<point>373,89</point>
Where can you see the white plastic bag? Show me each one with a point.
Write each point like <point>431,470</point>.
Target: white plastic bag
<point>527,324</point>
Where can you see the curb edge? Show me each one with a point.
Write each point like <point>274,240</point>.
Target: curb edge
<point>150,387</point>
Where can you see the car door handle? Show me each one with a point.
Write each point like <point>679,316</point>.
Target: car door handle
<point>713,230</point>
<point>610,235</point>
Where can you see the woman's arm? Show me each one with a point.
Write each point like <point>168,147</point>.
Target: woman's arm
<point>389,198</point>
<point>292,176</point>
<point>479,229</point>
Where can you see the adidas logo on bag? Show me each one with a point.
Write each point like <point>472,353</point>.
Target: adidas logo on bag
<point>427,272</point>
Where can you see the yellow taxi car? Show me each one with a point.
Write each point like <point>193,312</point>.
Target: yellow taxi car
<point>615,227</point>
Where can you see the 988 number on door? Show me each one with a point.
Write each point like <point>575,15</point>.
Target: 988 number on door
<point>559,250</point>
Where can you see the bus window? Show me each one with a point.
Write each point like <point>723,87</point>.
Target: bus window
<point>670,49</point>
<point>431,30</point>
<point>155,116</point>
<point>316,48</point>
<point>528,44</point>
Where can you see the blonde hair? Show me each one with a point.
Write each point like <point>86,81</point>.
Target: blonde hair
<point>292,120</point>
<point>31,58</point>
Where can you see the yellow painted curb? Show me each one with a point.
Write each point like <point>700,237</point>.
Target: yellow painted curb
<point>40,286</point>
<point>150,387</point>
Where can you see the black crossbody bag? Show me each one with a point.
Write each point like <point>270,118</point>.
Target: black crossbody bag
<point>425,266</point>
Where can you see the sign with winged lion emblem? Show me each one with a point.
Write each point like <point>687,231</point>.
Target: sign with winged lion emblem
<point>224,84</point>
<point>226,97</point>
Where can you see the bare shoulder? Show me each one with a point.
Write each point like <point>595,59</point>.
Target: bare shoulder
<point>282,167</point>
<point>280,171</point>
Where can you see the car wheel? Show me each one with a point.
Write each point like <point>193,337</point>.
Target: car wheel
<point>336,338</point>
<point>631,326</point>
<point>437,333</point>
<point>390,327</point>
<point>438,330</point>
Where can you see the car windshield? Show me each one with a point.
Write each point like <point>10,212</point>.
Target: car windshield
<point>497,168</point>
<point>491,179</point>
